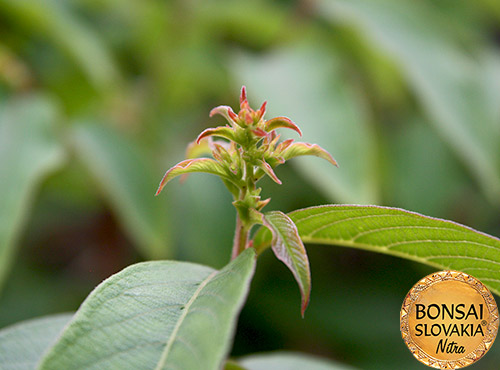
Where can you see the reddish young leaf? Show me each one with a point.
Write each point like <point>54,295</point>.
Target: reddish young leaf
<point>206,165</point>
<point>222,131</point>
<point>243,98</point>
<point>268,170</point>
<point>281,122</point>
<point>298,149</point>
<point>288,248</point>
<point>226,112</point>
<point>262,110</point>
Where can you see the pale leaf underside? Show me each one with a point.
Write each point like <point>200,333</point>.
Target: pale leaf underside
<point>157,315</point>
<point>288,248</point>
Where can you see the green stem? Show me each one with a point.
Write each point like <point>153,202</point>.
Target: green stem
<point>242,231</point>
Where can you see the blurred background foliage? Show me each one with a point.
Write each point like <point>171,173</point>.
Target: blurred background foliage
<point>99,97</point>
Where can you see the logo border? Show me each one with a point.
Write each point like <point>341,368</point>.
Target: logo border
<point>491,331</point>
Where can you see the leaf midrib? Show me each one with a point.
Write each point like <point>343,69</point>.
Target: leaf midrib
<point>166,351</point>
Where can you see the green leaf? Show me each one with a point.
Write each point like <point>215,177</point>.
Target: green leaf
<point>268,170</point>
<point>127,179</point>
<point>289,249</point>
<point>300,149</point>
<point>329,111</point>
<point>29,151</point>
<point>187,166</point>
<point>220,131</point>
<point>445,78</point>
<point>60,24</point>
<point>288,361</point>
<point>157,315</point>
<point>439,243</point>
<point>22,345</point>
<point>281,122</point>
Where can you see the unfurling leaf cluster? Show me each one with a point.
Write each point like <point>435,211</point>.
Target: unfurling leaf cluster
<point>245,150</point>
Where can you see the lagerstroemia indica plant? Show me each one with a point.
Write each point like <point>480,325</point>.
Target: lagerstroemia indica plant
<point>180,315</point>
<point>250,149</point>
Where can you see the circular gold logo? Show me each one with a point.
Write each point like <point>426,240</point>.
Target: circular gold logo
<point>449,320</point>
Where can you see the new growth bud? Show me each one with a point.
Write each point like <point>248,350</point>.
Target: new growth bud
<point>244,150</point>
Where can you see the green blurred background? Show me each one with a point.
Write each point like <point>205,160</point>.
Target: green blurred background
<point>99,97</point>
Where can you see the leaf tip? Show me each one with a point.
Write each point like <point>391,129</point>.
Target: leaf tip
<point>303,308</point>
<point>243,95</point>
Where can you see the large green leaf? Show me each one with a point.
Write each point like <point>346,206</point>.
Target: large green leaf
<point>307,84</point>
<point>128,181</point>
<point>163,315</point>
<point>289,249</point>
<point>446,80</point>
<point>439,243</point>
<point>22,345</point>
<point>288,361</point>
<point>28,152</point>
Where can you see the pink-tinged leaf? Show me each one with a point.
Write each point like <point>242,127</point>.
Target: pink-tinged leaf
<point>288,248</point>
<point>268,170</point>
<point>222,131</point>
<point>248,118</point>
<point>259,132</point>
<point>220,153</point>
<point>262,203</point>
<point>298,149</point>
<point>262,110</point>
<point>282,146</point>
<point>282,122</point>
<point>226,112</point>
<point>233,116</point>
<point>206,165</point>
<point>243,98</point>
<point>274,138</point>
